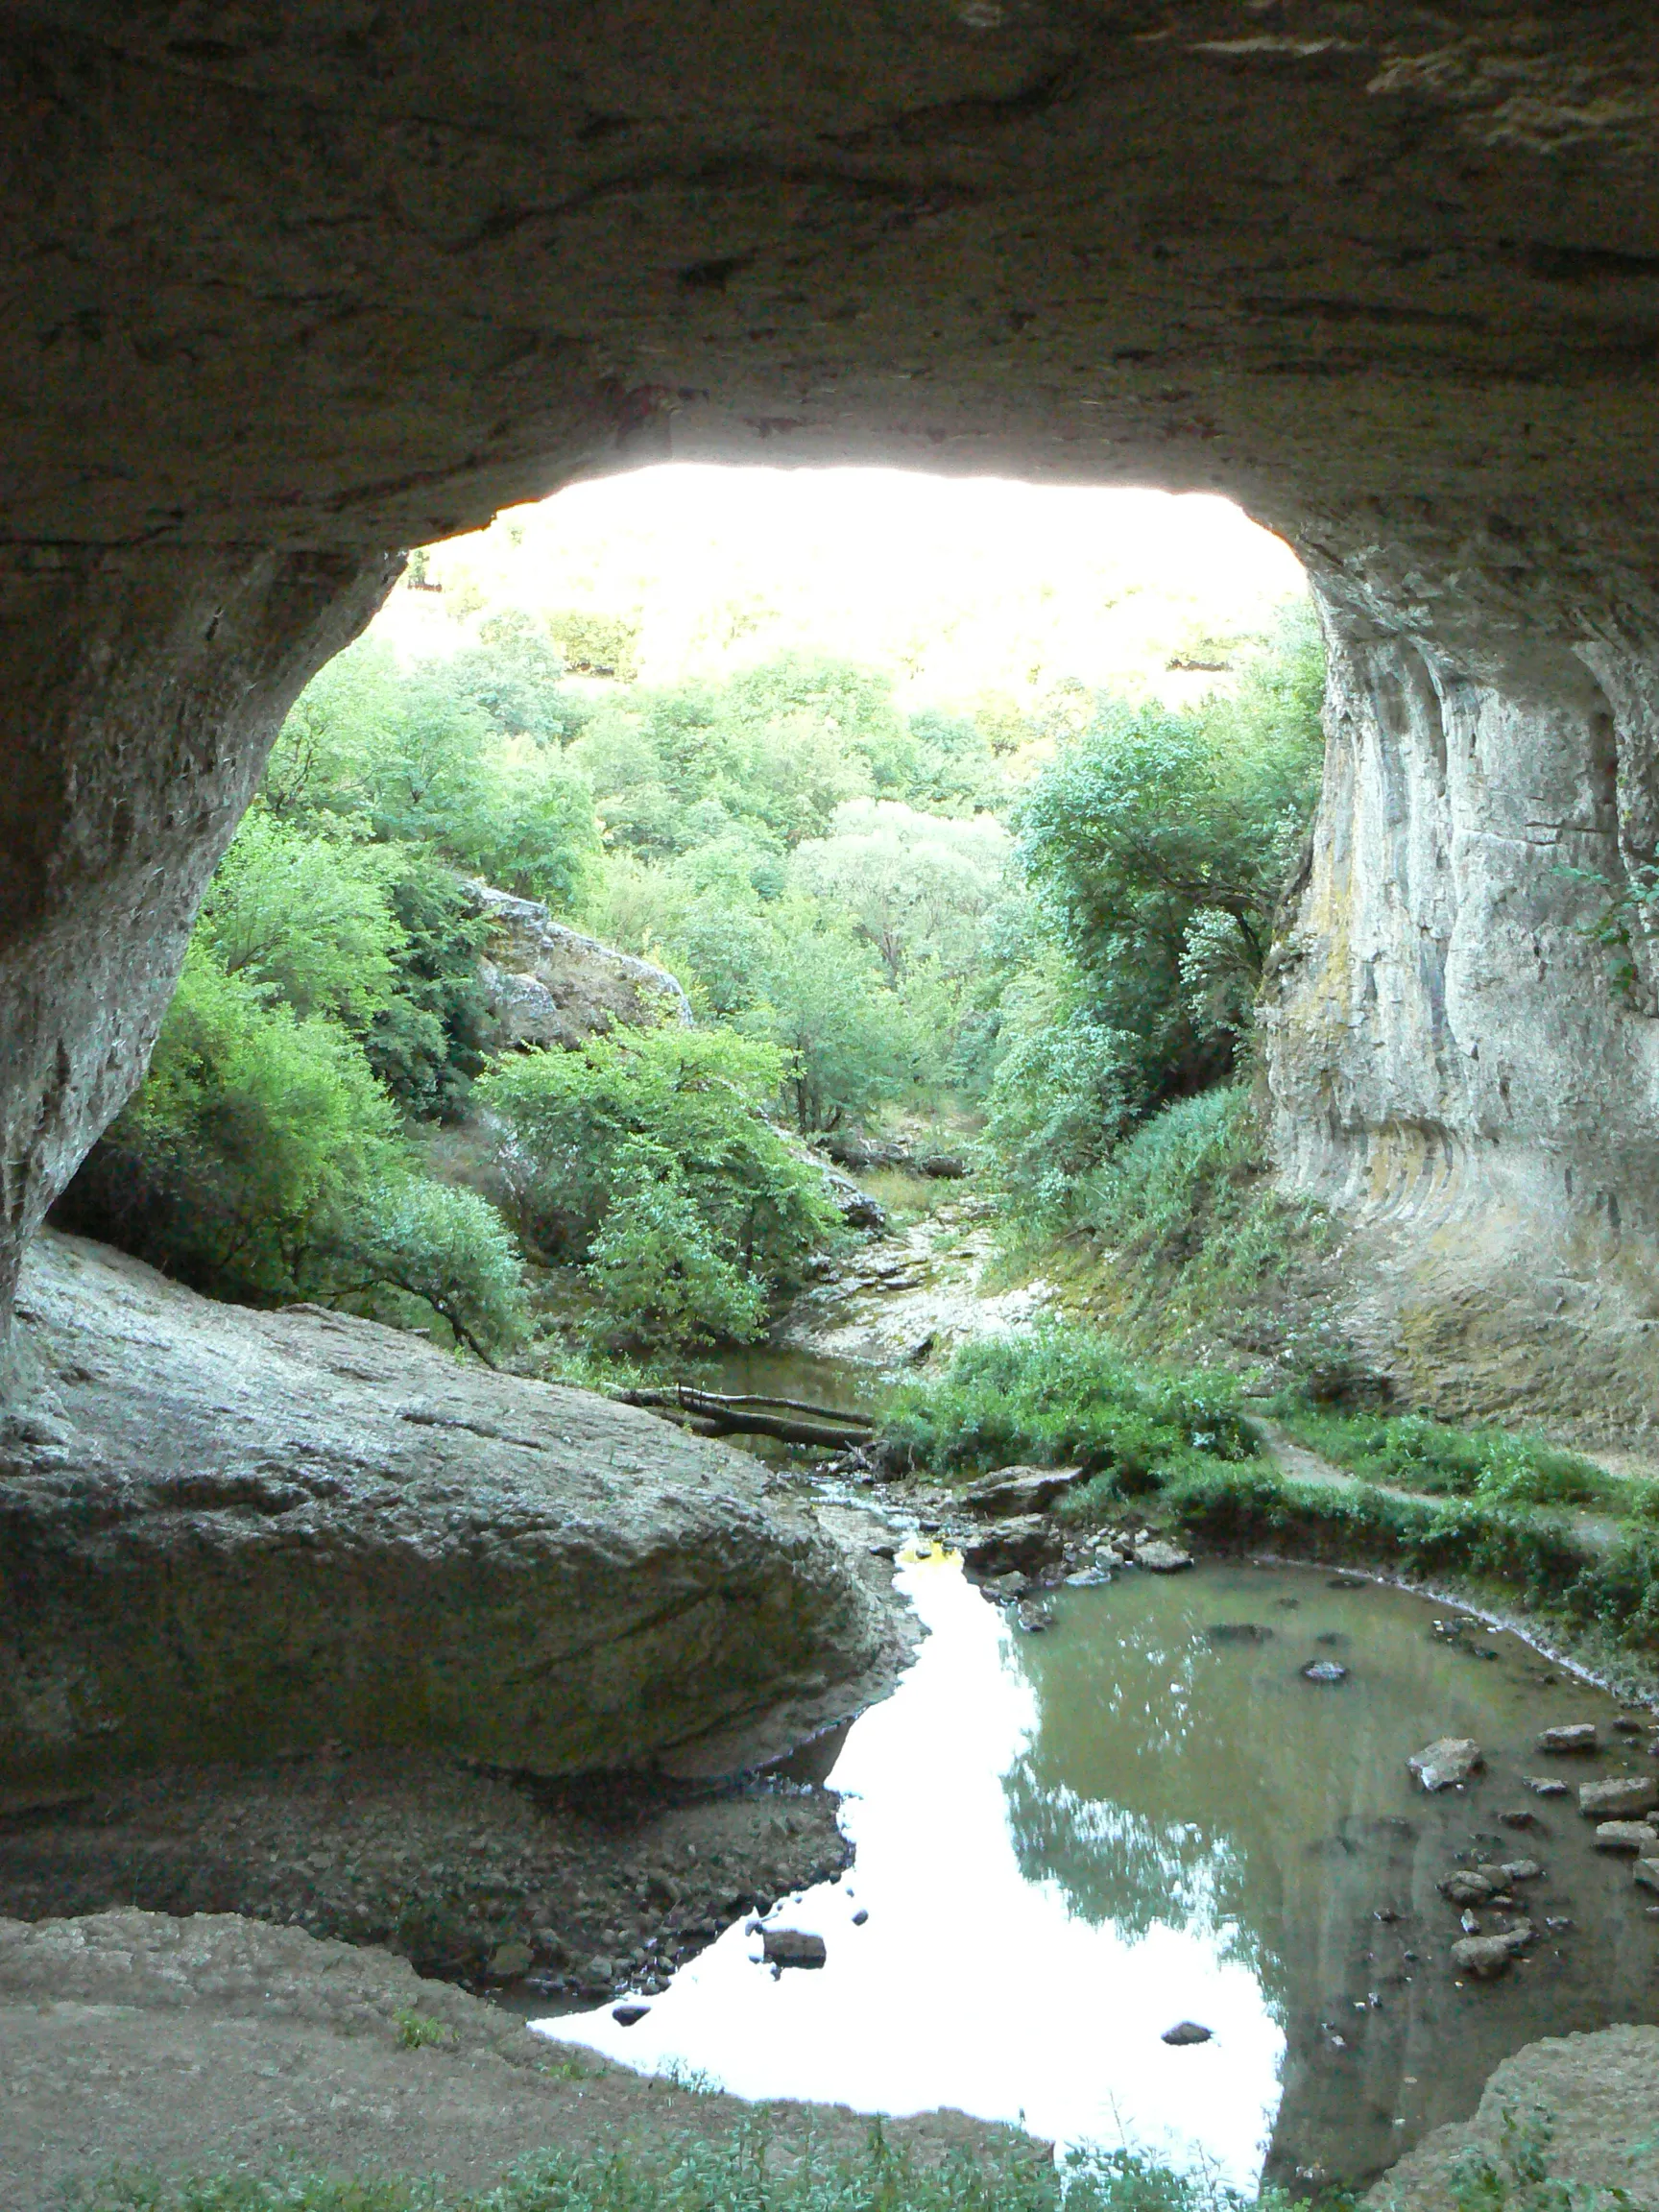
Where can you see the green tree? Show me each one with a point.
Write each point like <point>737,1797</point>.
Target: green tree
<point>306,918</point>
<point>1156,846</point>
<point>915,886</point>
<point>843,1034</point>
<point>683,1112</point>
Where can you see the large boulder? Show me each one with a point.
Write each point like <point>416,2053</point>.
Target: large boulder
<point>226,1532</point>
<point>547,984</point>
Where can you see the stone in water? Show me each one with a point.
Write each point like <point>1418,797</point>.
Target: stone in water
<point>1324,1671</point>
<point>1467,1888</point>
<point>1161,1558</point>
<point>1625,1797</point>
<point>1447,1763</point>
<point>792,1947</point>
<point>1581,1736</point>
<point>1186,2032</point>
<point>1633,1836</point>
<point>1483,1956</point>
<point>627,2015</point>
<point>1648,1873</point>
<point>1544,1786</point>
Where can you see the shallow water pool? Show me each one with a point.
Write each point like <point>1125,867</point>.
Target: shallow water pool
<point>1068,1843</point>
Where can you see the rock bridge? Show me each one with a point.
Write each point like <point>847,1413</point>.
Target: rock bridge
<point>290,287</point>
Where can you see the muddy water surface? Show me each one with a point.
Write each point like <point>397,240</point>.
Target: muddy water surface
<point>1068,1843</point>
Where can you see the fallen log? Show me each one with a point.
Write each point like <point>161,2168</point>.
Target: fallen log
<point>717,1414</point>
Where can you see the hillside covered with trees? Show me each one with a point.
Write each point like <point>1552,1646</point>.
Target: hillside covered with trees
<point>1044,919</point>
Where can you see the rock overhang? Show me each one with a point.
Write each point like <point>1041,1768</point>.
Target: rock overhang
<point>321,277</point>
<point>289,286</point>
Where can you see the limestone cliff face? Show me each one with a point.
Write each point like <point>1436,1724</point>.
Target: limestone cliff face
<point>142,690</point>
<point>1450,1066</point>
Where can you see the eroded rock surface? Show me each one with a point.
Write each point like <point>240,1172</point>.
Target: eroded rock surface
<point>545,984</point>
<point>225,1532</point>
<point>1600,2093</point>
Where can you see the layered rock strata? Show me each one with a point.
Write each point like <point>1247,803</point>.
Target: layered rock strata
<point>1463,1056</point>
<point>226,1533</point>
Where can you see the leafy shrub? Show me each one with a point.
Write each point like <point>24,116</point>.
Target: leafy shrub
<point>660,1276</point>
<point>260,1161</point>
<point>1062,1395</point>
<point>659,1139</point>
<point>1155,847</point>
<point>439,1246</point>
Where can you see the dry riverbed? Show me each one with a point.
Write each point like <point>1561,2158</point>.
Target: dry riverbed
<point>560,1894</point>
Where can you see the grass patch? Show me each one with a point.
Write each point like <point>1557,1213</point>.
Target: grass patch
<point>745,2171</point>
<point>905,1196</point>
<point>1200,1238</point>
<point>1062,1396</point>
<point>1413,1452</point>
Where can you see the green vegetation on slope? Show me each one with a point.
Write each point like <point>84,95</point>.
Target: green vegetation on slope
<point>870,908</point>
<point>1065,1397</point>
<point>1155,849</point>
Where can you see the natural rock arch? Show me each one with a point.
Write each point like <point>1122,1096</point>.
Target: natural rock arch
<point>289,286</point>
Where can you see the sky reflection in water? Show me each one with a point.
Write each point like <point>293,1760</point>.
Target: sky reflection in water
<point>976,1982</point>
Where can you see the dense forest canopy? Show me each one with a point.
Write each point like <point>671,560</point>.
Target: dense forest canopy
<point>1046,917</point>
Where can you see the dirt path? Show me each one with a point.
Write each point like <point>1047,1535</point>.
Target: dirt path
<point>136,2039</point>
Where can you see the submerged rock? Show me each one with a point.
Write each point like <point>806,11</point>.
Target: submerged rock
<point>1466,1887</point>
<point>257,1532</point>
<point>1631,1836</point>
<point>1033,1618</point>
<point>1545,1785</point>
<point>1647,1873</point>
<point>1238,1632</point>
<point>1324,1671</point>
<point>1448,1762</point>
<point>1483,1956</point>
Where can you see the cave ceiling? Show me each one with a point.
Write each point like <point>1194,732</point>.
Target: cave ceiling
<point>337,273</point>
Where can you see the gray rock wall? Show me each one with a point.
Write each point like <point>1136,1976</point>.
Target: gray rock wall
<point>141,692</point>
<point>1450,1066</point>
<point>545,984</point>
